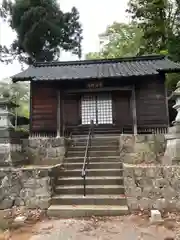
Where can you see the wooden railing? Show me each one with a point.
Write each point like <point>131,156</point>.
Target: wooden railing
<point>153,130</point>
<point>87,157</point>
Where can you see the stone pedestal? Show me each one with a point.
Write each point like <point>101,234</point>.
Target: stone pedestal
<point>5,154</point>
<point>7,150</point>
<point>172,153</point>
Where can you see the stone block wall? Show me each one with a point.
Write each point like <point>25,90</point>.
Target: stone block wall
<point>152,187</point>
<point>11,152</point>
<point>45,151</point>
<point>142,148</point>
<point>30,186</point>
<point>37,151</point>
<point>12,155</point>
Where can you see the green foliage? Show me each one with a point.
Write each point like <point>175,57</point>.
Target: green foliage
<point>152,19</point>
<point>19,94</point>
<point>5,55</point>
<point>42,29</point>
<point>119,40</point>
<point>94,55</point>
<point>160,23</point>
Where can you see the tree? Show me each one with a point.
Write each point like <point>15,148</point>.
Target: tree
<point>5,57</point>
<point>119,40</point>
<point>151,17</point>
<point>4,52</point>
<point>43,30</point>
<point>159,21</point>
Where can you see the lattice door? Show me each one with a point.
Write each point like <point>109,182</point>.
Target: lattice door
<point>88,109</point>
<point>104,109</point>
<point>97,108</point>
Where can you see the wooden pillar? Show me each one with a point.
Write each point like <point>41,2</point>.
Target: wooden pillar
<point>58,113</point>
<point>31,109</point>
<point>134,111</point>
<point>167,106</point>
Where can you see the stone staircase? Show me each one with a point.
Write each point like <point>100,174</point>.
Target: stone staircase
<point>105,190</point>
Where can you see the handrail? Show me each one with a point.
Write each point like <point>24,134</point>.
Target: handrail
<point>86,157</point>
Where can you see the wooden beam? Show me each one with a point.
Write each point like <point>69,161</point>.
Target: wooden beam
<point>134,111</point>
<point>31,109</point>
<point>88,90</point>
<point>58,113</point>
<point>167,106</point>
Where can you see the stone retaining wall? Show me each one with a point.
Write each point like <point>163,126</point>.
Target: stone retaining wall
<point>31,186</point>
<point>36,151</point>
<point>142,148</point>
<point>45,151</point>
<point>11,155</point>
<point>152,187</point>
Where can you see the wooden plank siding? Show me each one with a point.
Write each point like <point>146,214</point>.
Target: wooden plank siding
<point>44,108</point>
<point>151,103</point>
<point>150,95</point>
<point>122,111</point>
<point>71,109</point>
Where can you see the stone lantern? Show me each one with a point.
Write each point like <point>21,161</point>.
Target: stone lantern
<point>172,153</point>
<point>6,129</point>
<point>6,115</point>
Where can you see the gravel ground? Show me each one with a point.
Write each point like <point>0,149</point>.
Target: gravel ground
<point>115,228</point>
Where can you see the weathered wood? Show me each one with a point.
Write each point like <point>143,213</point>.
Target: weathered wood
<point>151,102</point>
<point>89,90</point>
<point>133,98</point>
<point>71,110</point>
<point>58,113</point>
<point>150,95</point>
<point>122,113</point>
<point>44,107</point>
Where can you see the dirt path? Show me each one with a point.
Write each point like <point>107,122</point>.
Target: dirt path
<point>126,228</point>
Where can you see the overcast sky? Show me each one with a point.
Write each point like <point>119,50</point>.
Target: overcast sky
<point>95,15</point>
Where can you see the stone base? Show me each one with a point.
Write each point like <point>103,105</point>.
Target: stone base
<point>31,187</point>
<point>172,153</point>
<point>4,135</point>
<point>142,148</point>
<point>11,155</point>
<point>45,151</point>
<point>150,187</point>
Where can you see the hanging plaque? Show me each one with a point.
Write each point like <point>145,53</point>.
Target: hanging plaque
<point>94,85</point>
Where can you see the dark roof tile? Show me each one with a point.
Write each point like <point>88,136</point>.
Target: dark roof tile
<point>105,68</point>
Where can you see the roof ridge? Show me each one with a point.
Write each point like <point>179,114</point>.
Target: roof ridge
<point>100,61</point>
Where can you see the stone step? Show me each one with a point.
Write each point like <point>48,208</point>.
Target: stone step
<point>93,159</point>
<point>98,131</point>
<point>90,180</point>
<point>94,148</point>
<point>89,200</point>
<point>92,153</point>
<point>92,165</point>
<point>68,211</point>
<point>93,172</point>
<point>97,136</point>
<point>94,142</point>
<point>90,189</point>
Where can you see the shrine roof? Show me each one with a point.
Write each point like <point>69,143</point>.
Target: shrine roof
<point>98,69</point>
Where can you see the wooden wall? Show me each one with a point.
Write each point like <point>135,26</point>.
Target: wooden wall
<point>122,111</point>
<point>151,103</point>
<point>71,109</point>
<point>43,107</point>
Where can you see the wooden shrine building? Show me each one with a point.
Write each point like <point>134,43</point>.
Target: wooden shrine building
<point>120,95</point>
